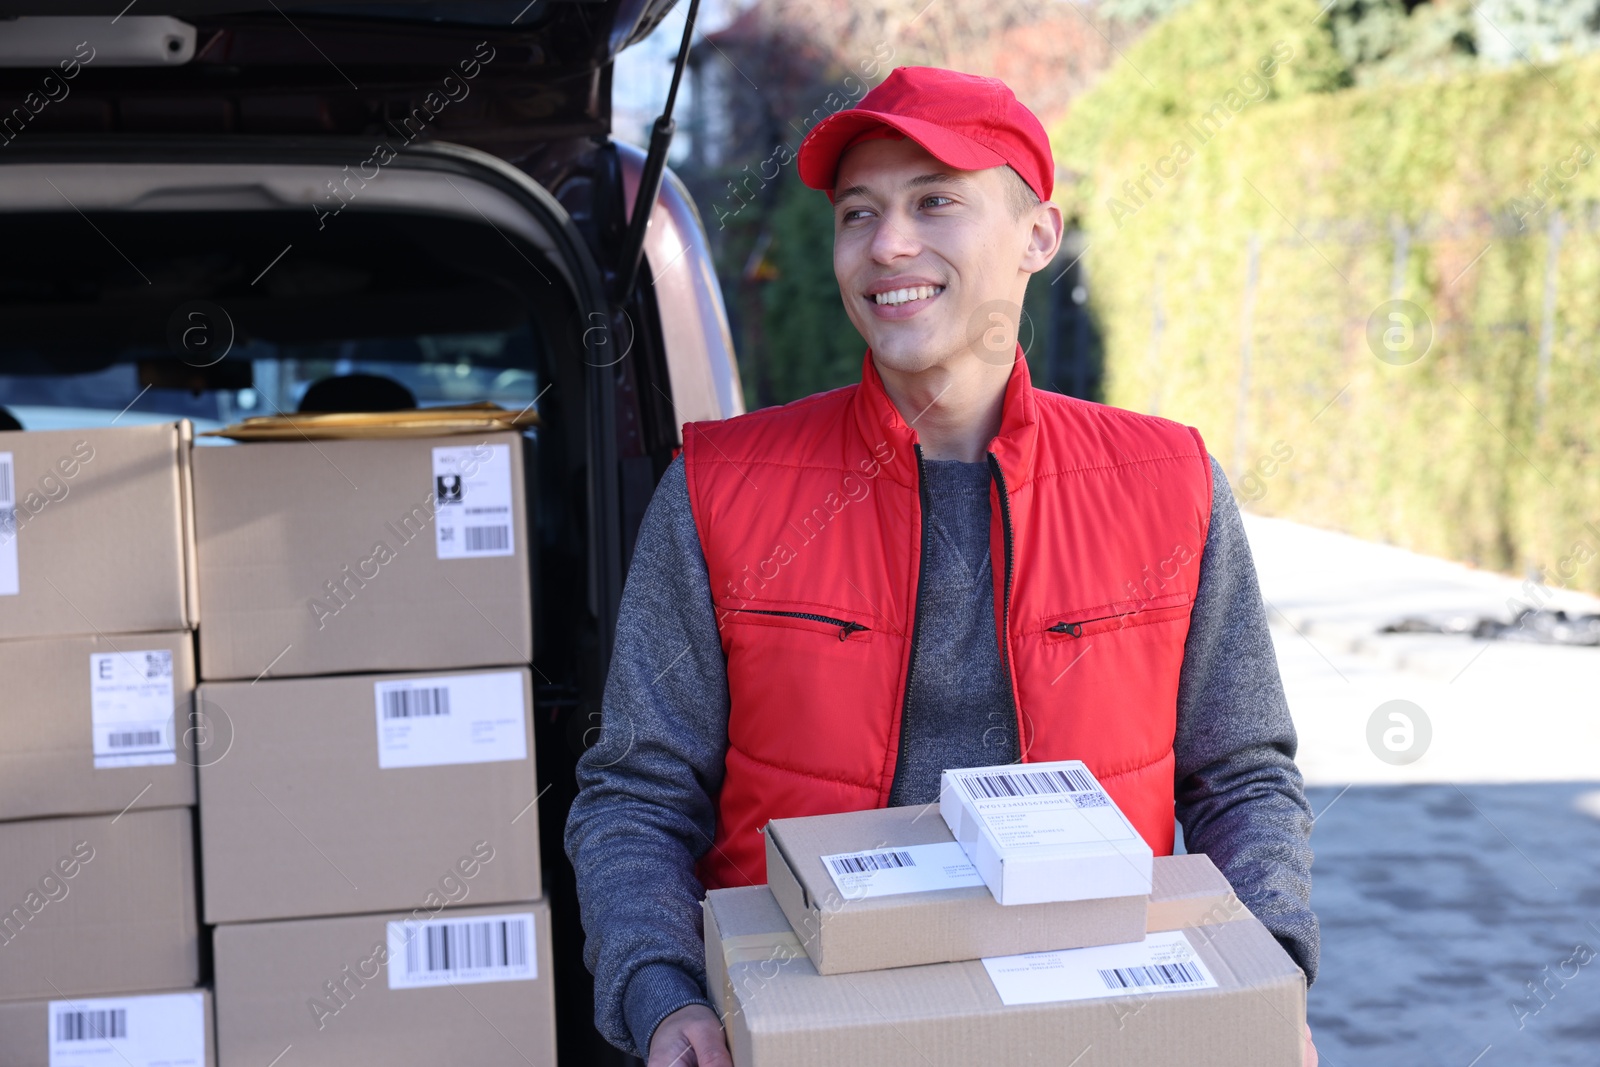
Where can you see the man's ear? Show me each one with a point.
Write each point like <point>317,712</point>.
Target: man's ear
<point>1044,237</point>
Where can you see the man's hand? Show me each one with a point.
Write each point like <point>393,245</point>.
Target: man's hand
<point>1311,1050</point>
<point>692,1037</point>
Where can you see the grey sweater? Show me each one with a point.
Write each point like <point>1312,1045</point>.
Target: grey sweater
<point>645,812</point>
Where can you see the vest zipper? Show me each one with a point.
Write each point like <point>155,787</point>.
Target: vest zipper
<point>1073,629</point>
<point>846,628</point>
<point>916,616</point>
<point>1005,598</point>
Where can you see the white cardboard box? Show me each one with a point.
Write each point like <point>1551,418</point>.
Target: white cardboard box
<point>1040,832</point>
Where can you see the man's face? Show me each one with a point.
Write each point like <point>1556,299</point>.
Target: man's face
<point>904,220</point>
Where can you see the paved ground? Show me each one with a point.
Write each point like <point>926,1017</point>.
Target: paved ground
<point>1446,884</point>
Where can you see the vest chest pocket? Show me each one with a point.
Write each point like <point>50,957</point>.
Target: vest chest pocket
<point>807,691</point>
<point>1122,615</point>
<point>803,621</point>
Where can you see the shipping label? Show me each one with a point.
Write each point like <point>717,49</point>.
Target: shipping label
<point>478,948</point>
<point>1161,963</point>
<point>912,869</point>
<point>9,584</point>
<point>472,501</point>
<point>1044,807</point>
<point>164,1030</point>
<point>466,718</point>
<point>131,706</point>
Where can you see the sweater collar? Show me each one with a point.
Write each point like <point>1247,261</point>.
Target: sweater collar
<point>879,421</point>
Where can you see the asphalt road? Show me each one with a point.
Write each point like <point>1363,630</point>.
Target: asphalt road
<point>1457,872</point>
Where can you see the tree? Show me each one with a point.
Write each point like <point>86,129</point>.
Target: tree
<point>1535,31</point>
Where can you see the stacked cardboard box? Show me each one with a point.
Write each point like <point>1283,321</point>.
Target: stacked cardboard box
<point>370,844</point>
<point>881,938</point>
<point>98,905</point>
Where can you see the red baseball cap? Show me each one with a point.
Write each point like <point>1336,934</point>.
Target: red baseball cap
<point>966,121</point>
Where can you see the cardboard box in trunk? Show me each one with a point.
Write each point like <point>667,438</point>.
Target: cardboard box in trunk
<point>382,991</point>
<point>890,887</point>
<point>92,722</point>
<point>365,793</point>
<point>98,905</point>
<point>1218,994</point>
<point>171,1029</point>
<point>95,531</point>
<point>329,557</point>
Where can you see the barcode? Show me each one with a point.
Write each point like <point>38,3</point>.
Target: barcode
<point>128,738</point>
<point>448,948</point>
<point>416,703</point>
<point>1029,783</point>
<point>92,1025</point>
<point>1158,974</point>
<point>871,861</point>
<point>6,494</point>
<point>488,538</point>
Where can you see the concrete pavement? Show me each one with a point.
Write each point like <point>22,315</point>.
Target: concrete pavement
<point>1457,848</point>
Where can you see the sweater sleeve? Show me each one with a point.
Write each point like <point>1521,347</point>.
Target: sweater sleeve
<point>644,815</point>
<point>1240,797</point>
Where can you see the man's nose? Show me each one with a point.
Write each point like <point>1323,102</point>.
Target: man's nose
<point>893,238</point>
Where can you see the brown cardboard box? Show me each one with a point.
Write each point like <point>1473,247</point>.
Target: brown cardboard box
<point>98,905</point>
<point>324,557</point>
<point>779,1011</point>
<point>843,933</point>
<point>172,1028</point>
<point>80,719</point>
<point>326,987</point>
<point>102,530</point>
<point>301,818</point>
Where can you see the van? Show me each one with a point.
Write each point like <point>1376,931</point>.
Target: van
<point>208,206</point>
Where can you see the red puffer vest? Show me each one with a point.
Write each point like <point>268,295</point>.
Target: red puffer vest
<point>811,518</point>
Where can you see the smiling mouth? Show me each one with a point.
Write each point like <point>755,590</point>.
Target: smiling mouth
<point>897,297</point>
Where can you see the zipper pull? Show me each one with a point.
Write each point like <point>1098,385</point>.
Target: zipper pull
<point>849,628</point>
<point>1071,628</point>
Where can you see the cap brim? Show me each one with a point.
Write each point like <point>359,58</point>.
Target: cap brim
<point>818,157</point>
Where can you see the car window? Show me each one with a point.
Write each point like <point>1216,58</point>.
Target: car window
<point>437,369</point>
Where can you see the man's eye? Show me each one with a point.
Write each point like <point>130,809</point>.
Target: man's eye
<point>850,215</point>
<point>944,198</point>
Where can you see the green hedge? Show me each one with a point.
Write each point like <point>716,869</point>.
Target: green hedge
<point>1480,450</point>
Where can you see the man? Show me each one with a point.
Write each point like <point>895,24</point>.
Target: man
<point>834,600</point>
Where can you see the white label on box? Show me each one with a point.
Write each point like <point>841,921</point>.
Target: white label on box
<point>1161,963</point>
<point>130,702</point>
<point>164,1030</point>
<point>466,718</point>
<point>9,585</point>
<point>479,948</point>
<point>1029,808</point>
<point>472,501</point>
<point>914,869</point>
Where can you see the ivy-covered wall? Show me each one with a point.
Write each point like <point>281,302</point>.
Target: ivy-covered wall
<point>1377,304</point>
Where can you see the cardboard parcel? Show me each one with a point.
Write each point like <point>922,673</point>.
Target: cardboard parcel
<point>1208,986</point>
<point>333,557</point>
<point>890,887</point>
<point>406,989</point>
<point>356,793</point>
<point>98,905</point>
<point>1042,832</point>
<point>91,722</point>
<point>95,530</point>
